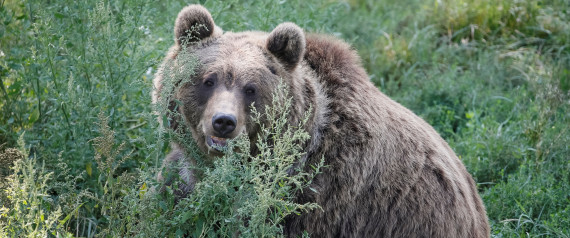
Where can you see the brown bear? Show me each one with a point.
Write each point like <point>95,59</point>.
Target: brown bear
<point>388,174</point>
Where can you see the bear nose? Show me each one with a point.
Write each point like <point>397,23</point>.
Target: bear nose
<point>224,123</point>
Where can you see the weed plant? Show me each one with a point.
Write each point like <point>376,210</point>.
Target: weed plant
<point>493,78</point>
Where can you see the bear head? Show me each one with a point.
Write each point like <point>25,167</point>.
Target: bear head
<point>235,72</point>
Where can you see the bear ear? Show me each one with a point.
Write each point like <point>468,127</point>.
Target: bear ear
<point>287,43</point>
<point>194,23</point>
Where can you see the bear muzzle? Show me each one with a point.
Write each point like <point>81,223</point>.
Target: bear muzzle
<point>223,126</point>
<point>223,118</point>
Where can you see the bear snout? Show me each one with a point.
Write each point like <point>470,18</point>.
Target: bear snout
<point>224,124</point>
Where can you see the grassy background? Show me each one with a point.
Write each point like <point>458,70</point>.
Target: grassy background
<point>493,77</point>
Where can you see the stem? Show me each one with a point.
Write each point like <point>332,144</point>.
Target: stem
<point>84,56</point>
<point>38,90</point>
<point>53,76</point>
<point>67,121</point>
<point>4,90</point>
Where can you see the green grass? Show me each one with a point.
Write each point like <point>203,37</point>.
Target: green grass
<point>493,78</point>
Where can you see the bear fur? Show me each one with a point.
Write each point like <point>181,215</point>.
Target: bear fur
<point>388,174</point>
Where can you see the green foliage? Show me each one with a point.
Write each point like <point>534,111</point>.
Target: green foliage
<point>249,194</point>
<point>243,193</point>
<point>491,76</point>
<point>84,57</point>
<point>31,211</point>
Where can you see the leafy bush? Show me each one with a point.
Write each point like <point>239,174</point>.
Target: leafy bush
<point>30,210</point>
<point>249,194</point>
<point>243,193</point>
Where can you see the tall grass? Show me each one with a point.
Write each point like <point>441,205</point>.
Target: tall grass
<point>493,77</point>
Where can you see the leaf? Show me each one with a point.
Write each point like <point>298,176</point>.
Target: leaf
<point>62,222</point>
<point>58,15</point>
<point>34,116</point>
<point>142,190</point>
<point>89,169</point>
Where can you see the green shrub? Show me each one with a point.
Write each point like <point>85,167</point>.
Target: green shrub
<point>248,194</point>
<point>27,207</point>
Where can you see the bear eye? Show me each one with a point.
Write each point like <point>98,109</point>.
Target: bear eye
<point>210,80</point>
<point>249,90</point>
<point>272,70</point>
<point>209,83</point>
